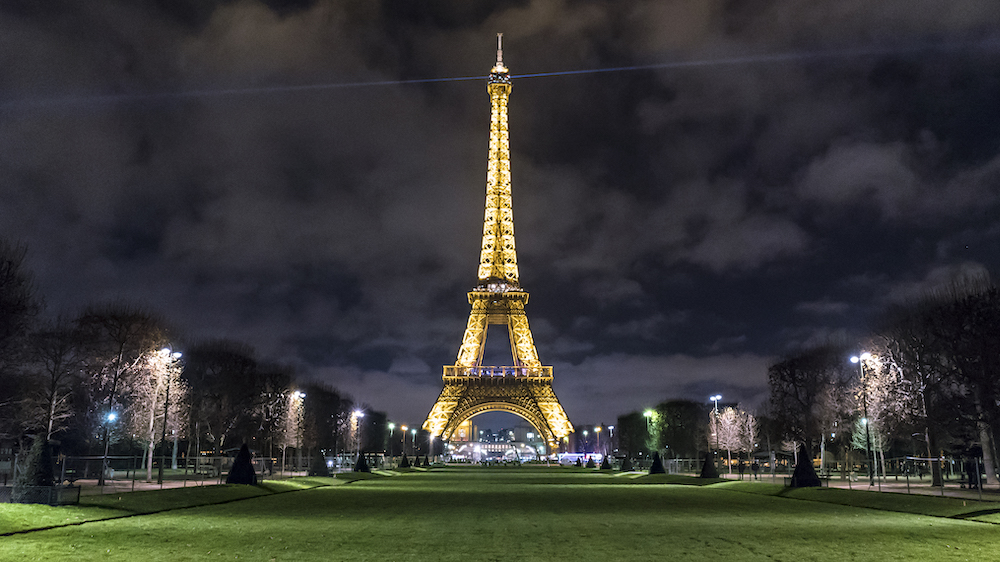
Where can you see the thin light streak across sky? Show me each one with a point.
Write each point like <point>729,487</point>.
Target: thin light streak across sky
<point>104,99</point>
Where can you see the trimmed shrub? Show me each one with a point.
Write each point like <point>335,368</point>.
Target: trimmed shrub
<point>605,464</point>
<point>591,463</point>
<point>318,466</point>
<point>708,469</point>
<point>578,464</point>
<point>657,466</point>
<point>242,471</point>
<point>361,465</point>
<point>804,475</point>
<point>627,465</point>
<point>405,463</point>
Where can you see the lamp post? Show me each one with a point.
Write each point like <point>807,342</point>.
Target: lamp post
<point>413,440</point>
<point>404,429</point>
<point>298,405</point>
<point>392,426</point>
<point>611,438</point>
<point>860,360</point>
<point>357,415</point>
<point>597,430</point>
<point>170,357</point>
<point>108,420</point>
<point>715,398</point>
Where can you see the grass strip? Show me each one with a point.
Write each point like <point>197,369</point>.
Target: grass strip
<point>19,518</point>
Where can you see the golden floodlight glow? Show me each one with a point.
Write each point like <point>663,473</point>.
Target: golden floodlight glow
<point>525,387</point>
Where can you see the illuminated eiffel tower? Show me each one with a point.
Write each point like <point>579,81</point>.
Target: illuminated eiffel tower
<point>525,387</point>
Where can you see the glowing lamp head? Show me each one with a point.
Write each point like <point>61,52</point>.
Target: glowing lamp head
<point>112,416</point>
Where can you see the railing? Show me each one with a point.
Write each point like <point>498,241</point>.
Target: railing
<point>458,371</point>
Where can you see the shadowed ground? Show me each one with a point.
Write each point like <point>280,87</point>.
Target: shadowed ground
<point>519,514</point>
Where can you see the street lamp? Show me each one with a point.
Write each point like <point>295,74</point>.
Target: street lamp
<point>597,430</point>
<point>413,440</point>
<point>392,427</point>
<point>404,429</point>
<point>109,419</point>
<point>864,421</point>
<point>715,398</point>
<point>296,409</point>
<point>648,414</point>
<point>357,415</point>
<point>169,356</point>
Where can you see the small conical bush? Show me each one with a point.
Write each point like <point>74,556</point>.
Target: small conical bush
<point>318,466</point>
<point>708,469</point>
<point>242,471</point>
<point>361,465</point>
<point>657,466</point>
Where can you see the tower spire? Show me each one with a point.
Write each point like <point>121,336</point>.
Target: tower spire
<point>498,259</point>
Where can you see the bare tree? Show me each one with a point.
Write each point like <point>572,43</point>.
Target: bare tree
<point>19,308</point>
<point>119,338</point>
<point>806,391</point>
<point>942,351</point>
<point>726,427</point>
<point>273,406</point>
<point>157,394</point>
<point>55,365</point>
<point>227,390</point>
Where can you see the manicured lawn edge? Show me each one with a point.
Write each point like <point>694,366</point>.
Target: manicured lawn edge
<point>25,518</point>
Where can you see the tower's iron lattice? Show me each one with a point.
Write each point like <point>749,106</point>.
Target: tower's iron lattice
<point>525,387</point>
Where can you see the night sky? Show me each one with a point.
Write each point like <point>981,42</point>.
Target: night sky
<point>770,176</point>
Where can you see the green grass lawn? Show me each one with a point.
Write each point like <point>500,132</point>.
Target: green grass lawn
<point>510,514</point>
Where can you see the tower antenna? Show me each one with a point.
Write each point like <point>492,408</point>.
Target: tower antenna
<point>499,49</point>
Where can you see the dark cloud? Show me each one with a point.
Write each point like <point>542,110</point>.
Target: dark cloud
<point>677,228</point>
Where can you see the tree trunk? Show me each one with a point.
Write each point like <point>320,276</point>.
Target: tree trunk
<point>935,462</point>
<point>984,439</point>
<point>822,453</point>
<point>149,461</point>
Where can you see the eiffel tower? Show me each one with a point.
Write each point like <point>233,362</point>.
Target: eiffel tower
<point>525,387</point>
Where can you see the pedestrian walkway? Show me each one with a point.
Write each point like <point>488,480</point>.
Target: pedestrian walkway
<point>90,486</point>
<point>951,489</point>
<point>893,485</point>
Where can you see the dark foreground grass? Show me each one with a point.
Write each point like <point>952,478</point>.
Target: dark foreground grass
<point>506,514</point>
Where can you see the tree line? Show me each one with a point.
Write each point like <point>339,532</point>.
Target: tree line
<point>924,384</point>
<point>117,379</point>
<point>687,429</point>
